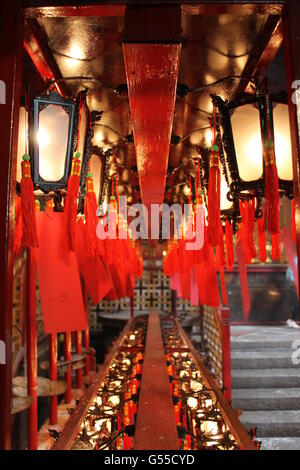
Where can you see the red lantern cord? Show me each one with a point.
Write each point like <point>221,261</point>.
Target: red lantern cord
<point>229,245</point>
<point>271,179</point>
<point>214,185</point>
<point>293,222</point>
<point>261,240</point>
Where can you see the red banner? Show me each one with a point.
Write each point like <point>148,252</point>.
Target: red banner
<point>59,278</point>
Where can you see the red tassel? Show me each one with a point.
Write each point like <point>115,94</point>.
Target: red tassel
<point>276,246</point>
<point>71,204</point>
<point>271,190</point>
<point>293,222</point>
<point>19,226</point>
<point>91,219</point>
<point>213,209</point>
<point>261,239</point>
<point>229,245</point>
<point>30,239</point>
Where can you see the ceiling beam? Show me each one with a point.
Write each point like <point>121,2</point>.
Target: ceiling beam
<point>35,43</point>
<point>267,44</point>
<point>60,8</point>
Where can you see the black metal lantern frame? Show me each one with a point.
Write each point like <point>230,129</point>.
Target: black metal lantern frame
<point>239,188</point>
<point>73,108</point>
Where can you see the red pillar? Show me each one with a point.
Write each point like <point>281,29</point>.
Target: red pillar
<point>78,338</point>
<point>226,352</point>
<point>131,306</point>
<point>11,50</point>
<point>68,375</point>
<point>291,23</point>
<point>53,374</point>
<point>31,349</point>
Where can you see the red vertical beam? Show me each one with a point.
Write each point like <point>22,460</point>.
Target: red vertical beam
<point>31,349</point>
<point>131,306</point>
<point>291,27</point>
<point>53,374</point>
<point>68,375</point>
<point>78,340</point>
<point>11,50</point>
<point>226,352</point>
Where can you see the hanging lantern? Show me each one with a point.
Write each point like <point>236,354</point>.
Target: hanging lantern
<point>255,135</point>
<point>58,127</point>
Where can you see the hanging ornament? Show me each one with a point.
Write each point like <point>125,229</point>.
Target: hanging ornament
<point>29,239</point>
<point>214,188</point>
<point>71,201</point>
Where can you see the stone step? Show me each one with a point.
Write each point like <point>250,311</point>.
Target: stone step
<point>280,443</point>
<point>241,345</point>
<point>262,378</point>
<point>273,423</point>
<point>266,359</point>
<point>266,399</point>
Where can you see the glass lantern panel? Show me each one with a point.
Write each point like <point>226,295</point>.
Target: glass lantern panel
<point>53,142</point>
<point>245,124</point>
<point>23,118</point>
<point>282,140</point>
<point>96,170</point>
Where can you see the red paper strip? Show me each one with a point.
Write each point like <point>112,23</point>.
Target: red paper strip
<point>94,272</point>
<point>59,278</point>
<point>243,278</point>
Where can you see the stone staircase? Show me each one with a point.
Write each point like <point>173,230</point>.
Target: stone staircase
<point>266,383</point>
